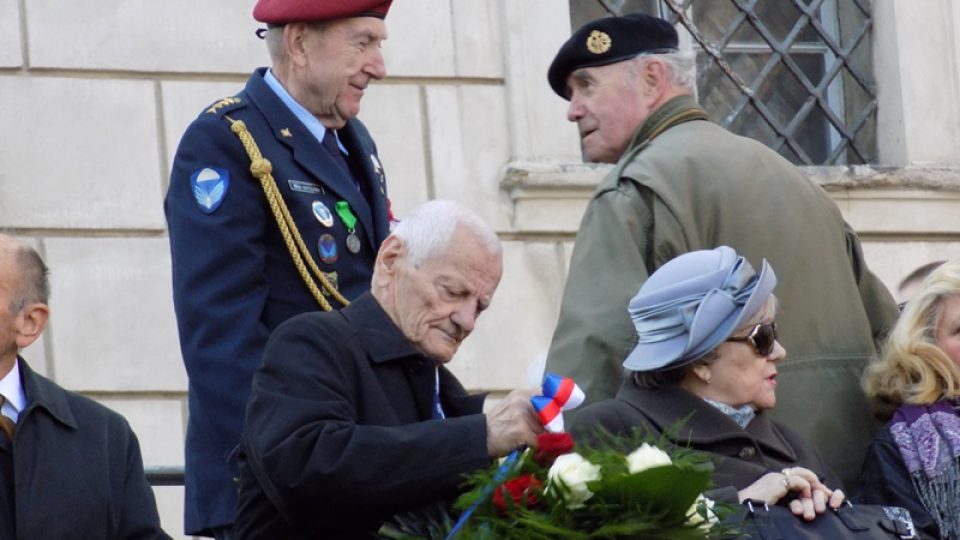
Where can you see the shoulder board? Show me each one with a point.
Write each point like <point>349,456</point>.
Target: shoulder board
<point>224,105</point>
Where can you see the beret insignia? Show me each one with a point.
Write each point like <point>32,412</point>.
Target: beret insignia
<point>598,42</point>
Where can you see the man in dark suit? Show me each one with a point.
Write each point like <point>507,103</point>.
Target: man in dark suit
<point>276,206</point>
<point>353,416</point>
<point>70,467</point>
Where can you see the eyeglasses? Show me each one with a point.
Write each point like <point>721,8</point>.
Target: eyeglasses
<point>762,338</point>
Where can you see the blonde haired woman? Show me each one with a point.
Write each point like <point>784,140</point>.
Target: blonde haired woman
<point>913,462</point>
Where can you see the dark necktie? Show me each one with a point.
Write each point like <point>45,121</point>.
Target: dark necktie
<point>330,145</point>
<point>7,426</point>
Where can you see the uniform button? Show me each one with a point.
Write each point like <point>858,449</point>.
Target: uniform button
<point>747,452</point>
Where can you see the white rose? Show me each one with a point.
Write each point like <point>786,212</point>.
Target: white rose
<point>573,471</point>
<point>695,517</point>
<point>646,457</point>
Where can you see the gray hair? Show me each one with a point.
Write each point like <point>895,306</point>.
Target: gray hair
<point>34,285</point>
<point>681,65</point>
<point>427,230</point>
<point>274,40</point>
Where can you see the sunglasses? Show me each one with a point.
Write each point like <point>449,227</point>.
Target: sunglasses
<point>761,338</point>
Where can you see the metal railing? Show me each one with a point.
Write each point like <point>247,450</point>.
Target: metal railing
<point>164,476</point>
<point>794,74</point>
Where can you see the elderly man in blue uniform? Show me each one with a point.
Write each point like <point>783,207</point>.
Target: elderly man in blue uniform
<point>682,183</point>
<point>354,416</point>
<point>276,206</point>
<point>70,467</point>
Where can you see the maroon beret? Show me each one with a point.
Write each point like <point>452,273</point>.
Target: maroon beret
<point>287,11</point>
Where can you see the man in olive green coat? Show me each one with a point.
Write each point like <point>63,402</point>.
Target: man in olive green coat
<point>682,183</point>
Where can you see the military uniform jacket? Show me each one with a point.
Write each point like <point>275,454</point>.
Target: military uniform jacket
<point>339,434</point>
<point>233,278</point>
<point>697,186</point>
<point>73,472</point>
<point>740,455</point>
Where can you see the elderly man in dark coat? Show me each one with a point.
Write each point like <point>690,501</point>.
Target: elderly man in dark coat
<point>353,416</point>
<point>70,467</point>
<point>682,183</point>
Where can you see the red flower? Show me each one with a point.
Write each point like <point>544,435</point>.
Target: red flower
<point>522,490</point>
<point>550,446</point>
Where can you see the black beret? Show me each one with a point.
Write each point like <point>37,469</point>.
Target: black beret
<point>608,40</point>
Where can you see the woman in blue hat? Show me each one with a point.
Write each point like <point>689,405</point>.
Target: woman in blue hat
<point>704,371</point>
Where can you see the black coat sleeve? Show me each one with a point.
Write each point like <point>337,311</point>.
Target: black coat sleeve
<point>886,481</point>
<point>313,459</point>
<point>138,517</point>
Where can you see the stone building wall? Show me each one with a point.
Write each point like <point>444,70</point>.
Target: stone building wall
<point>95,95</point>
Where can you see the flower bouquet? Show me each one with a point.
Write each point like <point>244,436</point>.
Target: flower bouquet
<point>554,492</point>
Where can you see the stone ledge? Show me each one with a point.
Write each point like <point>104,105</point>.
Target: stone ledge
<point>549,198</point>
<point>879,177</point>
<point>521,176</point>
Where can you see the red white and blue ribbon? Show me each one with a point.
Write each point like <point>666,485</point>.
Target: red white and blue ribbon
<point>559,394</point>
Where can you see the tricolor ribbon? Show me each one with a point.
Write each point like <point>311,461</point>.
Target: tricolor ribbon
<point>558,394</point>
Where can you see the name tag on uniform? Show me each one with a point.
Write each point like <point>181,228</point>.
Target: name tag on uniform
<point>305,187</point>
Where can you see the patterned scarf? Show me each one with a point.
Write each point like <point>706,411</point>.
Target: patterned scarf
<point>928,438</point>
<point>741,415</point>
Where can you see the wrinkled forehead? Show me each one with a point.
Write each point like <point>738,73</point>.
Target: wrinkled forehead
<point>597,74</point>
<point>470,264</point>
<point>355,27</point>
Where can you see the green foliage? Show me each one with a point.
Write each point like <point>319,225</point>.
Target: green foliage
<point>654,503</point>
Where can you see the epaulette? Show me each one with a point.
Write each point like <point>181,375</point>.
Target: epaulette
<point>224,105</point>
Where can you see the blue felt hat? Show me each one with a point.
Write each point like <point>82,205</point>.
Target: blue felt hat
<point>692,304</point>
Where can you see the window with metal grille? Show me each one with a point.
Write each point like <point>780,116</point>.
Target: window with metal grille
<point>794,74</point>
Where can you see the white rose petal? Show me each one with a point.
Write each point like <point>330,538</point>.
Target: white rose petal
<point>646,457</point>
<point>573,471</point>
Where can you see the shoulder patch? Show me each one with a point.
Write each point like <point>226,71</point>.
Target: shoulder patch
<point>209,186</point>
<point>223,103</point>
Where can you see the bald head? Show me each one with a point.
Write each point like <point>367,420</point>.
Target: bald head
<point>25,271</point>
<point>23,299</point>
